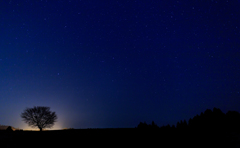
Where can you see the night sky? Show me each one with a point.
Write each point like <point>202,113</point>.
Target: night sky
<point>116,63</point>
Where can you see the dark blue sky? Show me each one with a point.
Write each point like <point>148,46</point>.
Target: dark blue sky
<point>118,63</point>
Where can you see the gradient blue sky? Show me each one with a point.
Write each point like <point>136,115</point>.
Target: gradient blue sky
<point>112,63</point>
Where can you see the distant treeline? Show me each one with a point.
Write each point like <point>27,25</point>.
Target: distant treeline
<point>210,120</point>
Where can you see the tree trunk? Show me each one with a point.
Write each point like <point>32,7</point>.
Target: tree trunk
<point>40,129</point>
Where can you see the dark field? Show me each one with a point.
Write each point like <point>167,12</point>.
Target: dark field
<point>118,137</point>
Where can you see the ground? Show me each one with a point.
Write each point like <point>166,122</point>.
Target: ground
<point>113,137</point>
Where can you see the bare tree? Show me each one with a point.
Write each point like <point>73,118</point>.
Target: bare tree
<point>39,116</point>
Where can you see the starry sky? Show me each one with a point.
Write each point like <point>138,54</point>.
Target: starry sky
<point>116,63</point>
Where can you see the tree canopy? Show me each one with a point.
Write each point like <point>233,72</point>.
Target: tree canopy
<point>39,116</point>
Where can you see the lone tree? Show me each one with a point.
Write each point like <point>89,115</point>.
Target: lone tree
<point>40,117</point>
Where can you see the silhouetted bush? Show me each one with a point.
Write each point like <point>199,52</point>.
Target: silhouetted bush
<point>9,128</point>
<point>145,125</point>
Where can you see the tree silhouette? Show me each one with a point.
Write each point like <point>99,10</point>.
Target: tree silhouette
<point>154,125</point>
<point>39,116</point>
<point>212,127</point>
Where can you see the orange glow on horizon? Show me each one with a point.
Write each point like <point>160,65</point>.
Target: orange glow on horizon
<point>57,126</point>
<point>31,130</point>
